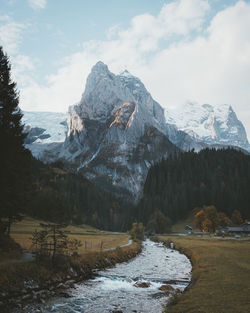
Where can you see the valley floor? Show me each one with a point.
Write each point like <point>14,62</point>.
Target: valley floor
<point>220,278</point>
<point>92,239</point>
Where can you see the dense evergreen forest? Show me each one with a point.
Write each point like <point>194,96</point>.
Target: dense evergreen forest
<point>179,184</point>
<point>62,196</point>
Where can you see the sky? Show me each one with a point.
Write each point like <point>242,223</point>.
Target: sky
<point>182,50</point>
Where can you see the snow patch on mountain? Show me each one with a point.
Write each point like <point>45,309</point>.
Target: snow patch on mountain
<point>45,130</point>
<point>53,123</point>
<point>211,124</point>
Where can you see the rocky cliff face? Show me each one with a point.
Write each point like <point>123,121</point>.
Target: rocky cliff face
<point>116,131</point>
<point>212,125</point>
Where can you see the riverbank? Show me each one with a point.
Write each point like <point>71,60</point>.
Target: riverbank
<point>220,276</point>
<point>25,283</point>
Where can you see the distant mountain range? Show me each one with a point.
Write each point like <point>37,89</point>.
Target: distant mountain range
<point>117,131</point>
<point>210,124</point>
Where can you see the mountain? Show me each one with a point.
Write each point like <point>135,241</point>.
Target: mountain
<point>213,125</point>
<point>116,131</point>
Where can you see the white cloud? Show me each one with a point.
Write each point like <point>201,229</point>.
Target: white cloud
<point>10,34</point>
<point>22,70</point>
<point>205,64</point>
<point>212,69</point>
<point>112,31</point>
<point>37,4</point>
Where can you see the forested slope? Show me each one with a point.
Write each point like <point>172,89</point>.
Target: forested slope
<point>62,196</point>
<point>181,183</point>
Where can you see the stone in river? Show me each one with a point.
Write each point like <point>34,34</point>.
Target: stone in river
<point>142,285</point>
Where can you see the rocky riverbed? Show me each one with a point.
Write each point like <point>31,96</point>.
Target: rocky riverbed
<point>144,284</point>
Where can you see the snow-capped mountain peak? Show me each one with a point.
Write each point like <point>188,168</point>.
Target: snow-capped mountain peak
<point>216,124</point>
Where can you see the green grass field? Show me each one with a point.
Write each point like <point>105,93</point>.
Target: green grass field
<point>22,231</point>
<point>220,277</point>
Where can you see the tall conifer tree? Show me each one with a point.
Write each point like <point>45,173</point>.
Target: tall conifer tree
<point>14,158</point>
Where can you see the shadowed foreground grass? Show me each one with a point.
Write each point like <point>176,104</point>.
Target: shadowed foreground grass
<point>220,278</point>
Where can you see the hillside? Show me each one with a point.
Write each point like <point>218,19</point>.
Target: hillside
<point>189,180</point>
<point>63,196</point>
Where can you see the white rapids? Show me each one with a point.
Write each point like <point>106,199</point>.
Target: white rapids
<point>113,290</point>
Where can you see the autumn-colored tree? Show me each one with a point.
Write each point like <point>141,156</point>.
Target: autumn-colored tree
<point>236,217</point>
<point>212,215</point>
<point>207,219</point>
<point>207,225</point>
<point>199,218</point>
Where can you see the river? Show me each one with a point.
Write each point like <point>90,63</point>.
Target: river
<point>113,290</point>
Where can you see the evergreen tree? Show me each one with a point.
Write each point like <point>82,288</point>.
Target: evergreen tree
<point>53,240</point>
<point>14,158</point>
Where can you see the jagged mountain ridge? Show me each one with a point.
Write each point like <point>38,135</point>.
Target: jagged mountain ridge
<point>117,131</point>
<point>210,124</point>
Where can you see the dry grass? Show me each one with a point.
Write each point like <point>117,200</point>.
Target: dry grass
<point>221,275</point>
<point>29,225</point>
<point>90,237</point>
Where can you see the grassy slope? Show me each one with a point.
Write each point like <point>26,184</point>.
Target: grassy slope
<point>221,275</point>
<point>22,231</point>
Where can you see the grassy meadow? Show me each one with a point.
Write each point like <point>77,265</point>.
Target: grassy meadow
<point>22,231</point>
<point>220,278</point>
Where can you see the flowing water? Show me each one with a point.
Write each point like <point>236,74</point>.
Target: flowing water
<point>114,290</point>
